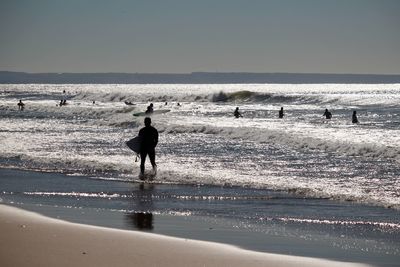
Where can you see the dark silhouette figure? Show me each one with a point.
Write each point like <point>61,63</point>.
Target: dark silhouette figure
<point>281,113</point>
<point>236,113</point>
<point>149,140</point>
<point>327,114</point>
<point>149,109</point>
<point>354,118</point>
<point>21,105</point>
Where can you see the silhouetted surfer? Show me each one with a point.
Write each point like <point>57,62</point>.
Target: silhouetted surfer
<point>149,109</point>
<point>21,105</point>
<point>354,118</point>
<point>236,113</point>
<point>149,140</point>
<point>281,113</point>
<point>327,114</point>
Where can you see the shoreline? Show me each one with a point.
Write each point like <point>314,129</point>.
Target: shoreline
<point>85,201</point>
<point>30,239</point>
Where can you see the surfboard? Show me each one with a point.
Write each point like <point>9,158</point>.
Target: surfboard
<point>156,112</point>
<point>134,144</point>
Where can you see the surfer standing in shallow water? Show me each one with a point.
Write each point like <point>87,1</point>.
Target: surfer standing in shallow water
<point>21,105</point>
<point>354,118</point>
<point>281,113</point>
<point>327,114</point>
<point>149,140</point>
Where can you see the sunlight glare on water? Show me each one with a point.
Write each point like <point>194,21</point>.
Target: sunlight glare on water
<point>201,142</point>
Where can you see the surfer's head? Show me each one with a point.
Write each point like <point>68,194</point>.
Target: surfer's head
<point>147,121</point>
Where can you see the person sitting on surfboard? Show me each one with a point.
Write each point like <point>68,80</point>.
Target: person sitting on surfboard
<point>149,140</point>
<point>149,109</point>
<point>236,113</point>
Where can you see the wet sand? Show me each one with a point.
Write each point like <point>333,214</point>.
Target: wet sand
<point>30,239</point>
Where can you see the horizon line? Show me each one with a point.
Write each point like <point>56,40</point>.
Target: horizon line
<point>201,72</point>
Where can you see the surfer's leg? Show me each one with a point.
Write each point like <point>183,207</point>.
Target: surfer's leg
<point>142,161</point>
<point>152,157</point>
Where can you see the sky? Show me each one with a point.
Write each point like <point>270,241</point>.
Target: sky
<point>183,36</point>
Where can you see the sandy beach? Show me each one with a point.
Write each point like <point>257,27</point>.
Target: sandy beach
<point>29,239</point>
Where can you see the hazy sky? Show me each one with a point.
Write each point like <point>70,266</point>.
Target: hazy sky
<point>324,36</point>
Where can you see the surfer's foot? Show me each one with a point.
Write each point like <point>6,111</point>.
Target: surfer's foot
<point>141,176</point>
<point>154,170</point>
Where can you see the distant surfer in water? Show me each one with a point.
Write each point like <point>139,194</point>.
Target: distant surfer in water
<point>149,109</point>
<point>21,105</point>
<point>149,140</point>
<point>236,113</point>
<point>281,113</point>
<point>63,102</point>
<point>327,114</point>
<point>354,118</point>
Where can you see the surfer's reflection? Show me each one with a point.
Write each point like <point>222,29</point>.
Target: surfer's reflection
<point>142,218</point>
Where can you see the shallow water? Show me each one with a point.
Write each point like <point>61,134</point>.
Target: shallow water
<point>257,219</point>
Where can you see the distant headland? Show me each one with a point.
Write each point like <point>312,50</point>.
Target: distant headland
<point>8,77</point>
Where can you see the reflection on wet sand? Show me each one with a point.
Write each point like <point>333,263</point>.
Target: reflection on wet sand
<point>140,220</point>
<point>142,217</point>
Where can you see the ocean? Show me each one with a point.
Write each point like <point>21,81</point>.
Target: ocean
<point>303,178</point>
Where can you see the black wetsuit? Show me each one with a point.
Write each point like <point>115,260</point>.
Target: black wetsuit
<point>149,110</point>
<point>354,119</point>
<point>149,136</point>
<point>328,115</point>
<point>237,114</point>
